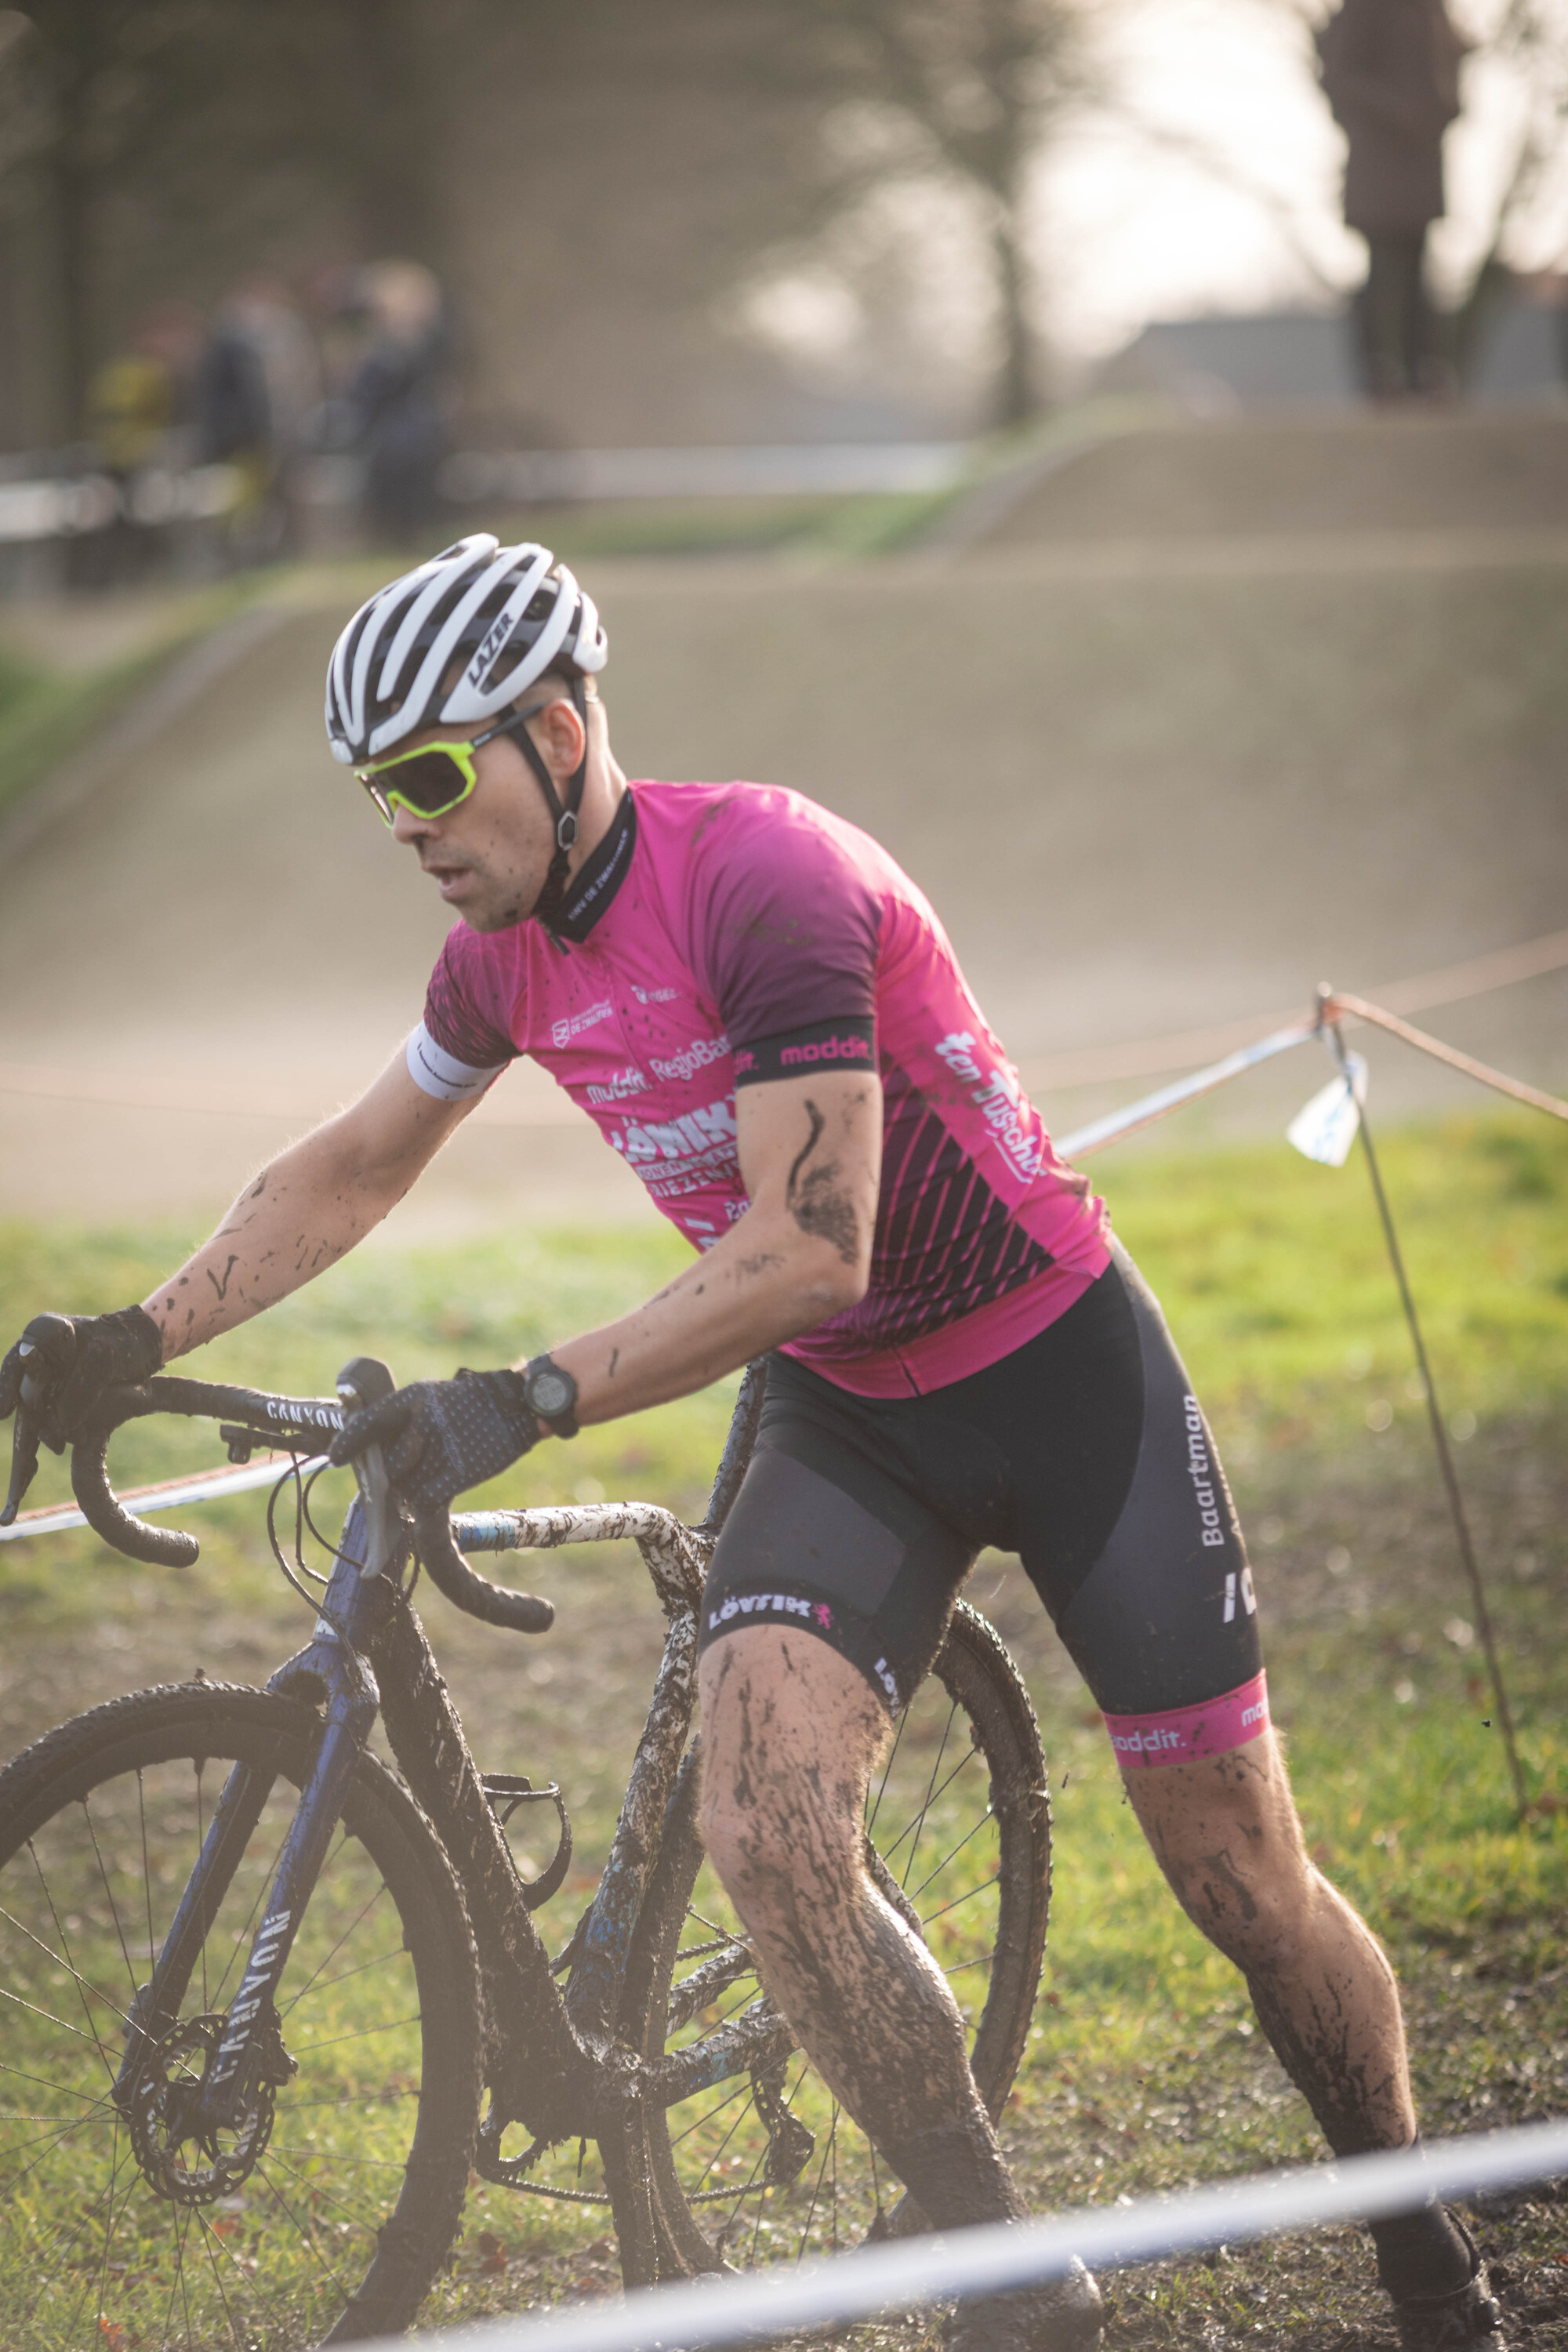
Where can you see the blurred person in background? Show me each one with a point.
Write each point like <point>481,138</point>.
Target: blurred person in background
<point>139,405</point>
<point>394,406</point>
<point>1391,74</point>
<point>259,388</point>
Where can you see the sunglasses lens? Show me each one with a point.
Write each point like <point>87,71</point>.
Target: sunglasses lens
<point>429,783</point>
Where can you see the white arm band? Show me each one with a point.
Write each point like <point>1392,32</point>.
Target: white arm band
<point>441,1074</point>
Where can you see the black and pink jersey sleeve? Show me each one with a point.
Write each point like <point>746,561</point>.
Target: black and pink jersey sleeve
<point>787,931</point>
<point>465,1040</point>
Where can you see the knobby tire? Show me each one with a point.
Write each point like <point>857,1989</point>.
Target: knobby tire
<point>338,2230</point>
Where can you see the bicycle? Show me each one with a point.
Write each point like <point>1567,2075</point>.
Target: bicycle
<point>268,2003</point>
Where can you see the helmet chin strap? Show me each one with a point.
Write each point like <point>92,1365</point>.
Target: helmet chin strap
<point>548,906</point>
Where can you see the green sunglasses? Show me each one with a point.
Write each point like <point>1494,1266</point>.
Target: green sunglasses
<point>437,776</point>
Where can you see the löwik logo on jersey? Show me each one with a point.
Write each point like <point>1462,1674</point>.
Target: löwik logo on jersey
<point>994,1094</point>
<point>681,1155</point>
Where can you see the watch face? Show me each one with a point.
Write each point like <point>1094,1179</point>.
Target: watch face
<point>550,1391</point>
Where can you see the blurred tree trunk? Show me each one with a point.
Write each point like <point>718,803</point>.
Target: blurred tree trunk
<point>75,40</point>
<point>980,84</point>
<point>392,128</point>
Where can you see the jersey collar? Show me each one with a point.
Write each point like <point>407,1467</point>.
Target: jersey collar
<point>599,876</point>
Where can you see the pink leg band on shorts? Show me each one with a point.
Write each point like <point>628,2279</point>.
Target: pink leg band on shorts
<point>1181,1733</point>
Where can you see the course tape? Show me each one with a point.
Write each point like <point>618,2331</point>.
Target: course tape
<point>711,2313</point>
<point>202,1487</point>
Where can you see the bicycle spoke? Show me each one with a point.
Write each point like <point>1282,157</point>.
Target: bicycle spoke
<point>329,1958</point>
<point>963,1765</point>
<point>76,1978</point>
<point>931,1789</point>
<point>887,1774</point>
<point>361,2033</point>
<point>113,1907</point>
<point>324,1984</point>
<point>959,1899</point>
<point>243,1932</point>
<point>951,1855</point>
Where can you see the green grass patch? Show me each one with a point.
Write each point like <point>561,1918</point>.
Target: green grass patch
<point>1275,1277</point>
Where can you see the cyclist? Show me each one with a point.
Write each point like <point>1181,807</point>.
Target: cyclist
<point>763,1016</point>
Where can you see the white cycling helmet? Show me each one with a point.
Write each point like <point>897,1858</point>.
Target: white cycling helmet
<point>506,613</point>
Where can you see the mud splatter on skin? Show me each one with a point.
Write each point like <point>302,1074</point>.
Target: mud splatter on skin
<point>827,1214</point>
<point>817,1207</point>
<point>220,1287</point>
<point>784,1825</point>
<point>804,1154</point>
<point>1228,1839</point>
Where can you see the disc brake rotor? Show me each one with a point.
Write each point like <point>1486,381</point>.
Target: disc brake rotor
<point>186,2166</point>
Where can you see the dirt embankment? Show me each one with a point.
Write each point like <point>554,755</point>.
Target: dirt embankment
<point>1150,788</point>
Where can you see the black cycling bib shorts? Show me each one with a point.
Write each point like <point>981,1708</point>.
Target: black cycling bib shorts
<point>1085,1452</point>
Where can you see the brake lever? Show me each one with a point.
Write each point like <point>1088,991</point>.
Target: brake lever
<point>52,1340</point>
<point>364,1381</point>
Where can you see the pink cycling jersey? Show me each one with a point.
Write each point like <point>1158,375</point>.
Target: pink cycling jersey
<point>723,935</point>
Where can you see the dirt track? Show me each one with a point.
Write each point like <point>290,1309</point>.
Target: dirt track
<point>1150,788</point>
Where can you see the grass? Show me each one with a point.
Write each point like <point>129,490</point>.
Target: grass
<point>1145,2068</point>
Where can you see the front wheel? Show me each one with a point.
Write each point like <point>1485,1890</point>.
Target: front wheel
<point>325,2216</point>
<point>766,2167</point>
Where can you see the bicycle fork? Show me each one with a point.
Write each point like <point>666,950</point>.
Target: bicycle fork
<point>250,2059</point>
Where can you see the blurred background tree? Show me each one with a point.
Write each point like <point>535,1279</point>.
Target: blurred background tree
<point>965,91</point>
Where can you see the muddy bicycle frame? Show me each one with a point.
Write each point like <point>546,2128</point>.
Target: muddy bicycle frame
<point>552,2062</point>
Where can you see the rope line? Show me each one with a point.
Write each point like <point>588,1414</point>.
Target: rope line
<point>1337,1006</point>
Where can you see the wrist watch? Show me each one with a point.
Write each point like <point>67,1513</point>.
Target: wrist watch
<point>551,1394</point>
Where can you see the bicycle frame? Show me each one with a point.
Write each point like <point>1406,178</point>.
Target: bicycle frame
<point>553,2065</point>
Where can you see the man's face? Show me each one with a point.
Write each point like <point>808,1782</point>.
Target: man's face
<point>488,856</point>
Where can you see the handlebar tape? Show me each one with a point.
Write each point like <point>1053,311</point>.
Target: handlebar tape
<point>496,1604</point>
<point>108,1517</point>
<point>286,1419</point>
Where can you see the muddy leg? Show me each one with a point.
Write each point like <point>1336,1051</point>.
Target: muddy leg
<point>791,1733</point>
<point>1226,1833</point>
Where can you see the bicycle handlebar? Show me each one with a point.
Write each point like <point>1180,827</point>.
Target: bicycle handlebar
<point>497,1604</point>
<point>299,1423</point>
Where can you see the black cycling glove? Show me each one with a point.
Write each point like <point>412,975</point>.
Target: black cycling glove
<point>441,1436</point>
<point>110,1352</point>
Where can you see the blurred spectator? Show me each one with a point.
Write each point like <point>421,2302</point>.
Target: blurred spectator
<point>1391,74</point>
<point>393,409</point>
<point>259,388</point>
<point>139,397</point>
<point>138,403</point>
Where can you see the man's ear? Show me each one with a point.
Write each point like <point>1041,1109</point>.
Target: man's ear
<point>565,737</point>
